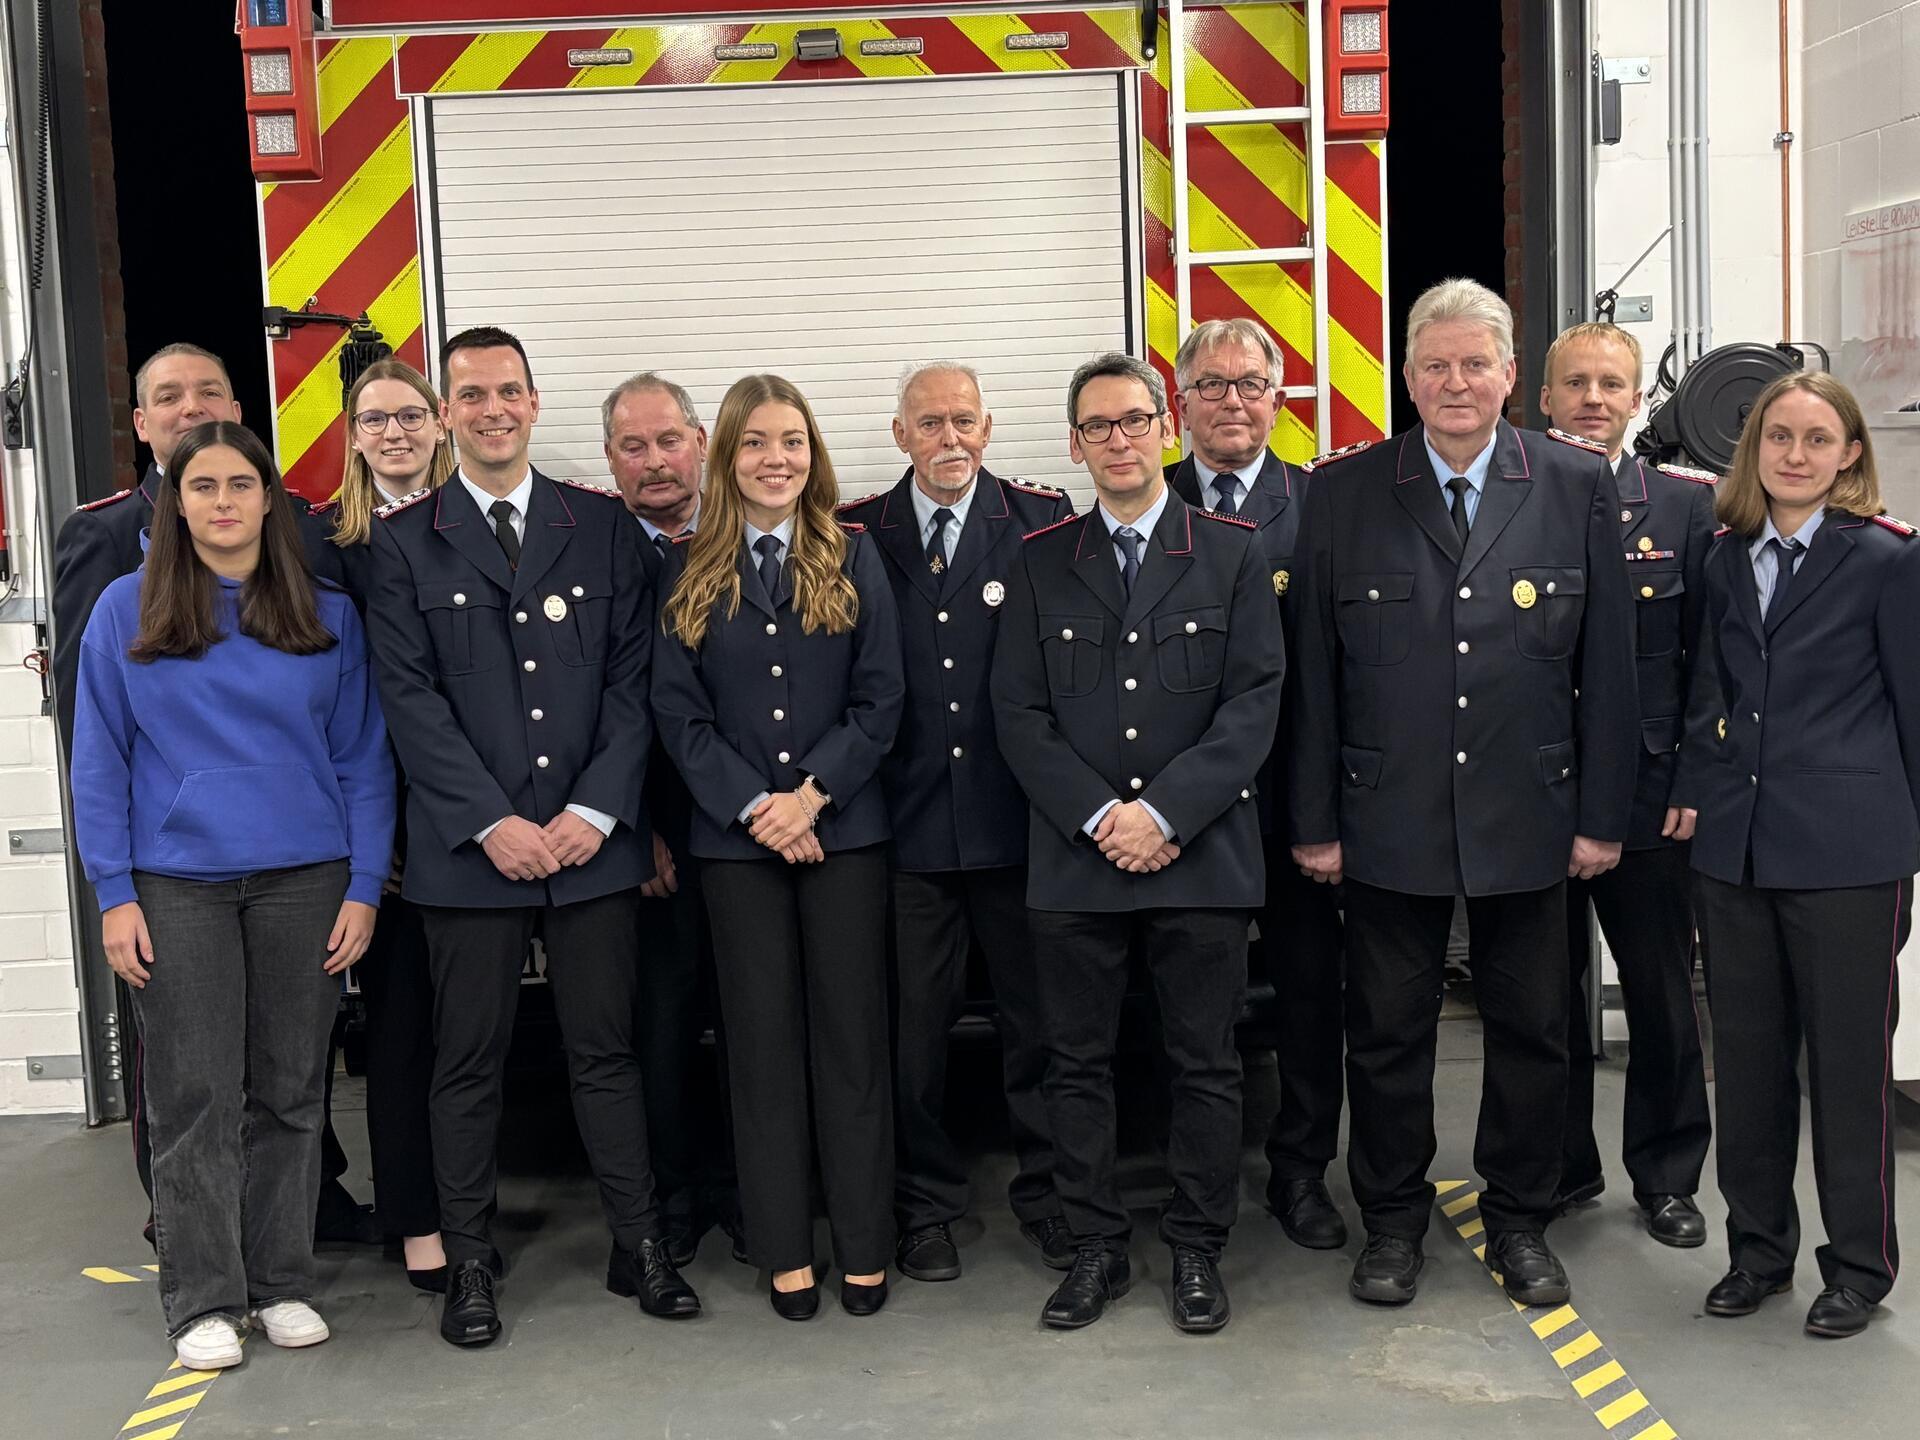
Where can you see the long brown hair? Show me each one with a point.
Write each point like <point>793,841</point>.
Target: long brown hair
<point>359,494</point>
<point>1740,500</point>
<point>178,616</point>
<point>823,593</point>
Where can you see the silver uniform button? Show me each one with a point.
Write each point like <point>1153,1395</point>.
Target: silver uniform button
<point>772,629</point>
<point>1373,594</point>
<point>956,752</point>
<point>783,757</point>
<point>777,672</point>
<point>1463,647</point>
<point>459,599</point>
<point>954,706</point>
<point>529,666</point>
<point>1133,637</point>
<point>1192,629</point>
<point>943,617</point>
<point>1246,794</point>
<point>1132,734</point>
<point>1461,758</point>
<point>578,592</point>
<point>520,616</point>
<point>541,761</point>
<point>537,713</point>
<point>1466,592</point>
<point>1133,684</point>
<point>1066,634</point>
<point>1551,587</point>
<point>1461,702</point>
<point>1753,779</point>
<point>1137,783</point>
<point>948,663</point>
<point>1565,771</point>
<point>779,714</point>
<point>1756,717</point>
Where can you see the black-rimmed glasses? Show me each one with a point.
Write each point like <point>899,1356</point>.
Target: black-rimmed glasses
<point>1213,387</point>
<point>1094,432</point>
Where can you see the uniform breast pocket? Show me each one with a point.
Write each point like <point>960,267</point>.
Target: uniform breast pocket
<point>1657,597</point>
<point>1374,617</point>
<point>586,606</point>
<point>1548,602</point>
<point>1192,648</point>
<point>1071,645</point>
<point>463,617</point>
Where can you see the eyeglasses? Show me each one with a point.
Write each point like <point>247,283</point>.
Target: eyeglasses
<point>411,417</point>
<point>1096,431</point>
<point>1251,387</point>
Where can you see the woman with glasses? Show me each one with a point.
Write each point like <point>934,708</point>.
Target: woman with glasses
<point>1800,787</point>
<point>395,446</point>
<point>778,686</point>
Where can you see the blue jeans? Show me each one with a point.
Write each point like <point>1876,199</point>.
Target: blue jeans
<point>234,1023</point>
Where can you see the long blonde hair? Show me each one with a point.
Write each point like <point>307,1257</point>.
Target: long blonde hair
<point>823,593</point>
<point>1740,500</point>
<point>358,494</point>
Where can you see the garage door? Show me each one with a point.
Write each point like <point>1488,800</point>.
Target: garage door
<point>830,233</point>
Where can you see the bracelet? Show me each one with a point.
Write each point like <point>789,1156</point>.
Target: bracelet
<point>806,809</point>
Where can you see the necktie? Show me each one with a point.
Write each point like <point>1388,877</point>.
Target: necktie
<point>768,549</point>
<point>1128,539</point>
<point>661,542</point>
<point>1458,506</point>
<point>1785,552</point>
<point>1227,487</point>
<point>502,513</point>
<point>937,542</point>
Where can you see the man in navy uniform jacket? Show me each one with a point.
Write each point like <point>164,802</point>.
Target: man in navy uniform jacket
<point>1463,724</point>
<point>1136,685</point>
<point>512,624</point>
<point>950,532</point>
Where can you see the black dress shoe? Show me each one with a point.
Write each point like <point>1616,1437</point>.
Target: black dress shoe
<point>736,1232</point>
<point>1674,1220</point>
<point>1529,1271</point>
<point>1054,1240</point>
<point>1307,1213</point>
<point>1581,1192</point>
<point>682,1237</point>
<point>432,1280</point>
<point>1388,1270</point>
<point>470,1316</point>
<point>1739,1292</point>
<point>649,1273</point>
<point>1838,1313</point>
<point>929,1254</point>
<point>795,1304</point>
<point>1199,1294</point>
<point>340,1220</point>
<point>863,1299</point>
<point>1099,1277</point>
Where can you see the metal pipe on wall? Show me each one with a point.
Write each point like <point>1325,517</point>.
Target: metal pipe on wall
<point>1701,139</point>
<point>1680,276</point>
<point>1783,141</point>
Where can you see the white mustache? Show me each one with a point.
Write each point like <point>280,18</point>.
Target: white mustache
<point>948,456</point>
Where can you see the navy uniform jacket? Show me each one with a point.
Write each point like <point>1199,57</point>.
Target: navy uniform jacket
<point>1803,745</point>
<point>1274,504</point>
<point>1666,525</point>
<point>669,808</point>
<point>954,803</point>
<point>1459,718</point>
<point>1169,695</point>
<point>761,705</point>
<point>100,542</point>
<point>497,707</point>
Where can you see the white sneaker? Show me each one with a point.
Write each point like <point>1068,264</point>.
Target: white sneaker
<point>211,1343</point>
<point>292,1323</point>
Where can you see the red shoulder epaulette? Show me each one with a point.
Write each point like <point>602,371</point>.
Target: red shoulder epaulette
<point>1225,519</point>
<point>1723,530</point>
<point>849,504</point>
<point>1341,454</point>
<point>1687,472</point>
<point>105,500</point>
<point>1581,441</point>
<point>1899,527</point>
<point>325,507</point>
<point>683,537</point>
<point>853,527</point>
<point>394,507</point>
<point>1035,487</point>
<point>1035,534</point>
<point>587,485</point>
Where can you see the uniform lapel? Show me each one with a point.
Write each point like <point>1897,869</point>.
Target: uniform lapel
<point>1509,482</point>
<point>458,521</point>
<point>1097,563</point>
<point>898,534</point>
<point>1185,480</point>
<point>1746,586</point>
<point>1418,492</point>
<point>1636,506</point>
<point>549,527</point>
<point>987,517</point>
<point>751,590</point>
<point>1168,556</point>
<point>1830,546</point>
<point>1271,494</point>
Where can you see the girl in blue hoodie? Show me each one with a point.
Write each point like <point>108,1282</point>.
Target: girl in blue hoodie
<point>233,803</point>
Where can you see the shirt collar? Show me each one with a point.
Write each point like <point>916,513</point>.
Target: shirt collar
<point>1476,473</point>
<point>1804,535</point>
<point>783,532</point>
<point>518,497</point>
<point>654,531</point>
<point>1146,523</point>
<point>1248,473</point>
<point>924,505</point>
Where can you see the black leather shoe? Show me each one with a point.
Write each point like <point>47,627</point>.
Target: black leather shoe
<point>928,1254</point>
<point>1529,1271</point>
<point>433,1280</point>
<point>1739,1292</point>
<point>1674,1220</point>
<point>1099,1277</point>
<point>1838,1313</point>
<point>470,1316</point>
<point>736,1232</point>
<point>863,1299</point>
<point>1388,1270</point>
<point>340,1220</point>
<point>682,1237</point>
<point>649,1274</point>
<point>795,1304</point>
<point>1199,1294</point>
<point>1581,1192</point>
<point>1054,1239</point>
<point>1307,1213</point>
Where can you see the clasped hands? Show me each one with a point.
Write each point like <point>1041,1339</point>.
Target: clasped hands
<point>1132,839</point>
<point>522,850</point>
<point>783,823</point>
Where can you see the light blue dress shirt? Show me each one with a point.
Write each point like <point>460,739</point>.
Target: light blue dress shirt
<point>1766,560</point>
<point>924,506</point>
<point>1210,480</point>
<point>1476,476</point>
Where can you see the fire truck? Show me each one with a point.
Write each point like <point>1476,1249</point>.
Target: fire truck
<point>684,186</point>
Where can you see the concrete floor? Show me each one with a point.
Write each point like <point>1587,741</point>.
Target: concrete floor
<point>969,1358</point>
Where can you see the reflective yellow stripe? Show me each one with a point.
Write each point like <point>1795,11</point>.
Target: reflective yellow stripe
<point>336,232</point>
<point>647,42</point>
<point>1123,28</point>
<point>313,406</point>
<point>160,1412</point>
<point>1272,158</point>
<point>109,1276</point>
<point>1447,1187</point>
<point>1628,1405</point>
<point>1280,30</point>
<point>1473,1227</point>
<point>165,1432</point>
<point>990,32</point>
<point>346,70</point>
<point>180,1381</point>
<point>1577,1348</point>
<point>1554,1320</point>
<point>1659,1430</point>
<point>1278,299</point>
<point>1598,1378</point>
<point>1357,373</point>
<point>1465,1202</point>
<point>1354,236</point>
<point>487,62</point>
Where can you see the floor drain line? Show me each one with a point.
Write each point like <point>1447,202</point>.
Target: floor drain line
<point>1596,1376</point>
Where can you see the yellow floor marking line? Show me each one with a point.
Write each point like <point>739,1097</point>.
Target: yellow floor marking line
<point>173,1399</point>
<point>108,1275</point>
<point>1596,1376</point>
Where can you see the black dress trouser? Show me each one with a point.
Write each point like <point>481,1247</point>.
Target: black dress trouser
<point>593,969</point>
<point>1198,962</point>
<point>397,986</point>
<point>1816,966</point>
<point>937,916</point>
<point>1647,916</point>
<point>801,952</point>
<point>1302,941</point>
<point>1396,959</point>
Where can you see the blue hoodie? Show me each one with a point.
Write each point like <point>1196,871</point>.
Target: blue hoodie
<point>244,760</point>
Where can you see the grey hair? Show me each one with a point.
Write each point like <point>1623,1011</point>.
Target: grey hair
<point>1117,364</point>
<point>1468,300</point>
<point>919,368</point>
<point>1213,335</point>
<point>179,347</point>
<point>640,384</point>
